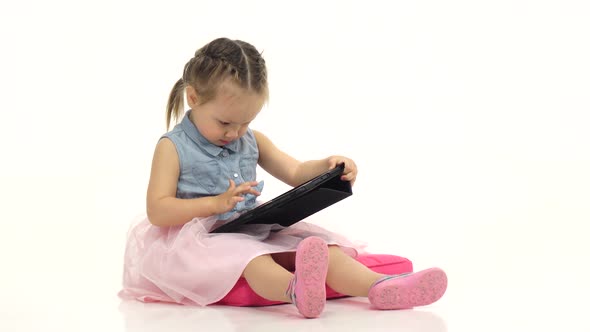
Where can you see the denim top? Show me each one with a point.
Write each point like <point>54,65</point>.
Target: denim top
<point>205,168</point>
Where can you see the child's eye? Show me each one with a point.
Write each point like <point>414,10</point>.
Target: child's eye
<point>224,123</point>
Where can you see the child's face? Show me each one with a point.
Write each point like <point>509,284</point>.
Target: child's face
<point>225,118</point>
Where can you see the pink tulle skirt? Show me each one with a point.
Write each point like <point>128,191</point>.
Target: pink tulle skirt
<point>188,265</point>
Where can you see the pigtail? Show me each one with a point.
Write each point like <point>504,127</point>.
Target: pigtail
<point>175,106</point>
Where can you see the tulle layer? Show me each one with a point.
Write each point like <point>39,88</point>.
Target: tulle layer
<point>188,265</point>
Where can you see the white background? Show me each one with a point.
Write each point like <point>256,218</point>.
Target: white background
<point>468,121</point>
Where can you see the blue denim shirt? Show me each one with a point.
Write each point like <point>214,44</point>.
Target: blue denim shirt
<point>205,168</point>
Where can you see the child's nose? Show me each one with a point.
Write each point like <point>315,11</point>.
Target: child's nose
<point>231,134</point>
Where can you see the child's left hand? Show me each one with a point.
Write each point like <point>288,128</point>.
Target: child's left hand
<point>350,170</point>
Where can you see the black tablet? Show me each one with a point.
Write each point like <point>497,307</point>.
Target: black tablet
<point>296,204</point>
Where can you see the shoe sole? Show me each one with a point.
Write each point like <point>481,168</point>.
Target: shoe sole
<point>311,268</point>
<point>414,290</point>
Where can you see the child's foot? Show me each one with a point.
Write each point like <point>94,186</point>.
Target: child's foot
<point>308,287</point>
<point>408,290</point>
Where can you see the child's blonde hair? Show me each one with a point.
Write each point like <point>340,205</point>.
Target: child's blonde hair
<point>213,63</point>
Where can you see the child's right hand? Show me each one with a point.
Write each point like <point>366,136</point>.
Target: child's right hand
<point>233,195</point>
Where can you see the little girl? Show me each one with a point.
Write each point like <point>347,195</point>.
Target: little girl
<point>204,172</point>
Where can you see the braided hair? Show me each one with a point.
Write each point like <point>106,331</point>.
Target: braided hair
<point>217,61</point>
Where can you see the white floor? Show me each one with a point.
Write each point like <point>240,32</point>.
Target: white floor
<point>82,299</point>
<point>62,273</point>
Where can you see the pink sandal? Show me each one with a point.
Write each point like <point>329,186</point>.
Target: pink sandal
<point>408,290</point>
<point>308,286</point>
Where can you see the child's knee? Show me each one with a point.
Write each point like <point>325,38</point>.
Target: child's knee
<point>257,263</point>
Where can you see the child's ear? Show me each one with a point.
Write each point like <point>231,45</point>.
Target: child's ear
<point>191,96</point>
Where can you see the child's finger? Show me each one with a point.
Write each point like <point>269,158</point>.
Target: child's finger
<point>349,167</point>
<point>245,188</point>
<point>332,163</point>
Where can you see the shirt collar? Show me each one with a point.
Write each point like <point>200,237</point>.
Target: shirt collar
<point>191,130</point>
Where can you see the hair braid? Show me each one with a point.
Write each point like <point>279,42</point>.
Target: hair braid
<point>219,60</point>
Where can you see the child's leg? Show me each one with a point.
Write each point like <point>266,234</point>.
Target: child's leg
<point>268,279</point>
<point>306,288</point>
<point>347,276</point>
<point>344,272</point>
<point>269,276</point>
